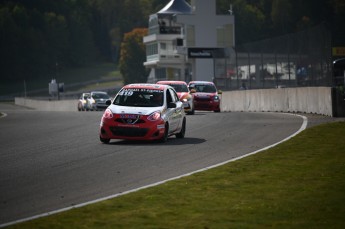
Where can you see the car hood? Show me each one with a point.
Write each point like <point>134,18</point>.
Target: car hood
<point>133,110</point>
<point>102,100</point>
<point>182,95</point>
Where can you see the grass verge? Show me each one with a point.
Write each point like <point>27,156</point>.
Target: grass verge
<point>297,184</point>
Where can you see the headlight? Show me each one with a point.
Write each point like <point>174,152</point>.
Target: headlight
<point>187,98</point>
<point>216,98</point>
<point>108,114</point>
<point>154,116</point>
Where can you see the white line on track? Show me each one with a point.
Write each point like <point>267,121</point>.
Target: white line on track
<point>303,127</point>
<point>3,116</point>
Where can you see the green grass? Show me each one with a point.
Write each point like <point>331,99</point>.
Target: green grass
<point>297,184</point>
<point>99,71</point>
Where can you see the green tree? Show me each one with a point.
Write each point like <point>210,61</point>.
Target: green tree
<point>249,19</point>
<point>133,56</point>
<point>107,32</point>
<point>281,15</point>
<point>37,35</point>
<point>56,35</point>
<point>337,24</point>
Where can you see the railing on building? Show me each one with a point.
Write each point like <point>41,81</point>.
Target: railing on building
<point>166,56</point>
<point>165,29</point>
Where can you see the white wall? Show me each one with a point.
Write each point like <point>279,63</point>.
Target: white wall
<point>316,100</point>
<point>44,105</point>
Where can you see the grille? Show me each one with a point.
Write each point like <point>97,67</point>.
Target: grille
<point>129,132</point>
<point>202,98</point>
<point>129,121</point>
<point>203,105</point>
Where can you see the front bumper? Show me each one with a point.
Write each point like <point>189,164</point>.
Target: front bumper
<point>99,106</point>
<point>188,107</point>
<point>117,128</point>
<point>207,105</point>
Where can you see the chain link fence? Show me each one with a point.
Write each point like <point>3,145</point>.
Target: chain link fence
<point>300,59</point>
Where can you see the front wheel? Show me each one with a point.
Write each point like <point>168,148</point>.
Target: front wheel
<point>166,133</point>
<point>183,130</point>
<point>191,112</point>
<point>104,140</point>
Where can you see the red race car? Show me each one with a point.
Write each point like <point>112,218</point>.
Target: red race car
<point>183,93</point>
<point>205,95</point>
<point>143,112</point>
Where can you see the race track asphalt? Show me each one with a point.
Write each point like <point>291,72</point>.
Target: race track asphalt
<point>53,160</point>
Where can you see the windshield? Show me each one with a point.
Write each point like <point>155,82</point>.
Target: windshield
<point>139,97</point>
<point>100,96</point>
<point>208,88</point>
<point>180,87</point>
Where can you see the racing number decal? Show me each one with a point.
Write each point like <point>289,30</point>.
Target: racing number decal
<point>126,92</point>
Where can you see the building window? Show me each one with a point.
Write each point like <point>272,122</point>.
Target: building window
<point>190,36</point>
<point>161,73</point>
<point>151,49</point>
<point>225,36</point>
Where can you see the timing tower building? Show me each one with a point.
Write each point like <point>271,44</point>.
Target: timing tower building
<point>185,39</point>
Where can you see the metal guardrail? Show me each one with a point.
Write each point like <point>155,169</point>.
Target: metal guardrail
<point>68,94</point>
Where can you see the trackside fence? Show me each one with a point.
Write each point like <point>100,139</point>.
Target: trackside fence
<point>302,59</point>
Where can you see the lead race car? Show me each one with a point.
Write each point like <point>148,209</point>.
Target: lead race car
<point>143,112</point>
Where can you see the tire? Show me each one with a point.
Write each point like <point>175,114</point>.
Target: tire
<point>166,134</point>
<point>104,140</point>
<point>183,130</point>
<point>191,112</point>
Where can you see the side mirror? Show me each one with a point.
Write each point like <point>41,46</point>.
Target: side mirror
<point>108,102</point>
<point>220,92</point>
<point>171,105</point>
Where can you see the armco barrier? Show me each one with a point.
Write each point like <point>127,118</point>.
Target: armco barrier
<point>316,100</point>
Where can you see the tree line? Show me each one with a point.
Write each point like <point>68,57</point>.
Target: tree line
<point>38,37</point>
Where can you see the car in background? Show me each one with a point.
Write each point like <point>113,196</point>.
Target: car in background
<point>183,93</point>
<point>143,112</point>
<point>82,102</point>
<point>205,95</point>
<point>97,100</point>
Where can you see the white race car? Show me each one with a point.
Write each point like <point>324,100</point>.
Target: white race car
<point>143,112</point>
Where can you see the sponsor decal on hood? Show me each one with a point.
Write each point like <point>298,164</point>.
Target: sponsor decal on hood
<point>133,110</point>
<point>182,95</point>
<point>204,94</point>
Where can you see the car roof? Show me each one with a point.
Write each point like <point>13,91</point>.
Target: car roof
<point>200,82</point>
<point>340,61</point>
<point>171,82</point>
<point>147,86</point>
<point>98,92</point>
